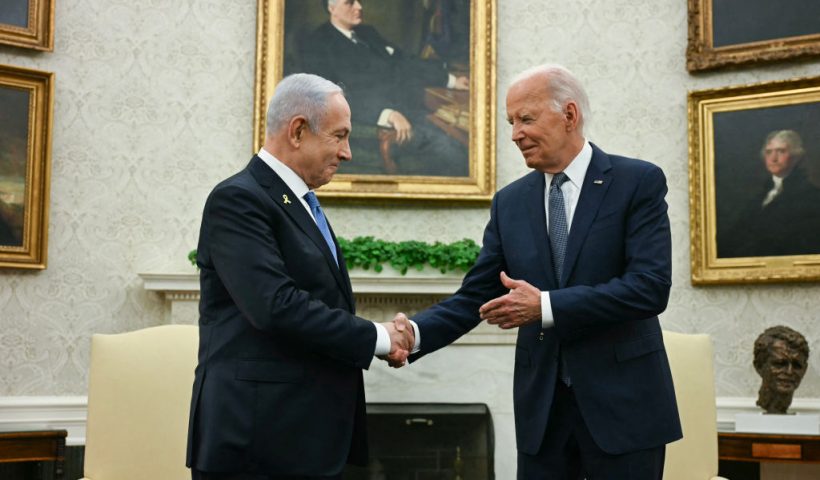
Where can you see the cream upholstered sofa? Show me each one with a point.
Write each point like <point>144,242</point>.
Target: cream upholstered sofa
<point>695,457</point>
<point>139,394</point>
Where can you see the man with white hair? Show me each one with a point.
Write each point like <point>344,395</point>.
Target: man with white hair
<point>577,257</point>
<point>782,216</point>
<point>278,391</point>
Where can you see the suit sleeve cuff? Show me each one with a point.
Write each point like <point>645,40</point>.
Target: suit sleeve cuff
<point>382,341</point>
<point>547,320</point>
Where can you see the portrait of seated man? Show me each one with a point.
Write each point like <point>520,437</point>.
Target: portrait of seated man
<point>386,88</point>
<point>781,356</point>
<point>782,216</point>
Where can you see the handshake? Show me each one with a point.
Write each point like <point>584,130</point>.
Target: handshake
<point>402,340</point>
<point>519,307</point>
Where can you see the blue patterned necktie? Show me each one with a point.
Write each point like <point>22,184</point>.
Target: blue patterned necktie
<point>558,223</point>
<point>321,222</point>
<point>558,233</point>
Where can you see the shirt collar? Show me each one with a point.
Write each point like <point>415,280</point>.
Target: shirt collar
<point>291,179</point>
<point>576,171</point>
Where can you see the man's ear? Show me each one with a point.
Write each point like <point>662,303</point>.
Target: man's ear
<point>297,127</point>
<point>571,116</point>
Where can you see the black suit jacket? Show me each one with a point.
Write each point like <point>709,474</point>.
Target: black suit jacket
<point>372,78</point>
<point>278,389</point>
<point>616,280</point>
<point>788,225</point>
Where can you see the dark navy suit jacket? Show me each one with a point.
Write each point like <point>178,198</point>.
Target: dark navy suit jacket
<point>278,389</point>
<point>616,280</point>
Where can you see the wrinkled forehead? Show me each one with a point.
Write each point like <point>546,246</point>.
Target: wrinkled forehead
<point>777,143</point>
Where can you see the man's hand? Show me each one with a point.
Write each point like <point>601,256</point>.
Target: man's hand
<point>404,130</point>
<point>462,83</point>
<point>519,307</point>
<point>402,340</point>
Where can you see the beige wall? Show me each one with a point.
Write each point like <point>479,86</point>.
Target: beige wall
<point>153,107</point>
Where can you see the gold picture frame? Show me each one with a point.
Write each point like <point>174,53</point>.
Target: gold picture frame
<point>28,24</point>
<point>479,139</point>
<point>744,228</point>
<point>737,42</point>
<point>25,166</point>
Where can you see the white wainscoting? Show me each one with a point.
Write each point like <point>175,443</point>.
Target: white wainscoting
<point>69,413</point>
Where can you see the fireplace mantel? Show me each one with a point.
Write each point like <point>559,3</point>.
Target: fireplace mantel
<point>378,297</point>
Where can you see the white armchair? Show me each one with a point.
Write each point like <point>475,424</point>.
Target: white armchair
<point>139,394</point>
<point>695,457</point>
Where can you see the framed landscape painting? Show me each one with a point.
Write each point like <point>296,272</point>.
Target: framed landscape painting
<point>25,165</point>
<point>754,182</point>
<point>420,80</point>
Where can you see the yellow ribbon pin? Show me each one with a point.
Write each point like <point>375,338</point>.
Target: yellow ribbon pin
<point>285,199</point>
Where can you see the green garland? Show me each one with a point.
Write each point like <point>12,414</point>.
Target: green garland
<point>369,252</point>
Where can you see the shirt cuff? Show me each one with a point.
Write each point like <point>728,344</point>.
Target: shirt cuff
<point>416,336</point>
<point>382,122</point>
<point>547,320</point>
<point>382,341</point>
<point>451,80</point>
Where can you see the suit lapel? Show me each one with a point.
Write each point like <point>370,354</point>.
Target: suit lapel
<point>596,183</point>
<point>537,219</point>
<point>292,206</point>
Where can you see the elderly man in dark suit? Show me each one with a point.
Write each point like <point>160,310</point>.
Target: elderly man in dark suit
<point>278,391</point>
<point>385,87</point>
<point>577,256</point>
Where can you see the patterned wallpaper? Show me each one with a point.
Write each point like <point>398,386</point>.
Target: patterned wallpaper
<point>153,107</point>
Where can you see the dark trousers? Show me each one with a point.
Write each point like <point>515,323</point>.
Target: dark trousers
<point>197,475</point>
<point>570,453</point>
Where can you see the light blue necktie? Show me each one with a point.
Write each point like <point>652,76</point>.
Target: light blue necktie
<point>558,233</point>
<point>321,222</point>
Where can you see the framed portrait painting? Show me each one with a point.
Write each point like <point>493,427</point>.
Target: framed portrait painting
<point>27,23</point>
<point>25,164</point>
<point>419,76</point>
<point>754,182</point>
<point>736,32</point>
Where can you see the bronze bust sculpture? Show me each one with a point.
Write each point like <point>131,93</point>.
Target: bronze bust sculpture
<point>780,357</point>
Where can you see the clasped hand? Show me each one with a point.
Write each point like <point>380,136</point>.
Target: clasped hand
<point>402,340</point>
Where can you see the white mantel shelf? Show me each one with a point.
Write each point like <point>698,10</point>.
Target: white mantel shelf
<point>379,297</point>
<point>389,282</point>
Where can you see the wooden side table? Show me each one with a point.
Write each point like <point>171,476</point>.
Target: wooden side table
<point>37,446</point>
<point>765,447</point>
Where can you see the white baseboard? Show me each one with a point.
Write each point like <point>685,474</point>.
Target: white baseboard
<point>69,413</point>
<point>45,413</point>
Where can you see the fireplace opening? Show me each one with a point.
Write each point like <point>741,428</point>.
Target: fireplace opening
<point>427,441</point>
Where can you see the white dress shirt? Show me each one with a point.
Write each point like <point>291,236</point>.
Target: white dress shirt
<point>299,188</point>
<point>576,171</point>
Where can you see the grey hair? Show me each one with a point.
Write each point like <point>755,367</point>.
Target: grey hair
<point>790,138</point>
<point>299,94</point>
<point>563,88</point>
